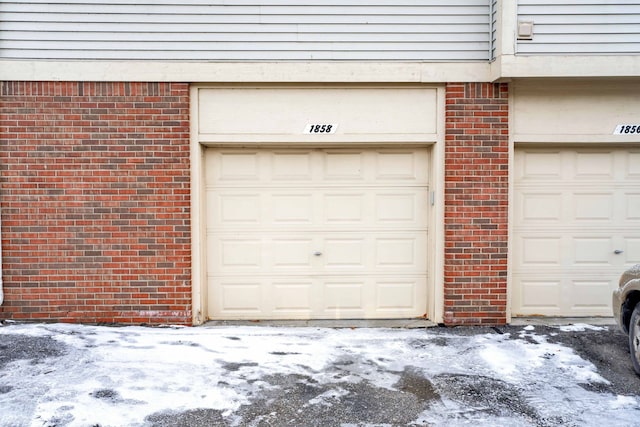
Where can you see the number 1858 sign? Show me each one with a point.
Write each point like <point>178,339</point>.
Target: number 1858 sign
<point>320,129</point>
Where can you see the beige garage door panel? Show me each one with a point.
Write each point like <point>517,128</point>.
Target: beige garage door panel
<point>316,233</point>
<point>286,208</point>
<point>336,297</point>
<point>290,252</point>
<point>576,227</point>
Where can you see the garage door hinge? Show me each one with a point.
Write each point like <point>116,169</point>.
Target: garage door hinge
<point>433,198</point>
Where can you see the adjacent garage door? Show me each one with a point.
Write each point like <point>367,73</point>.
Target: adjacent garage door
<point>576,227</point>
<point>316,233</point>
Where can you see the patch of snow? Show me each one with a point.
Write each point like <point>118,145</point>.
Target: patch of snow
<point>580,327</point>
<point>622,402</point>
<point>329,395</point>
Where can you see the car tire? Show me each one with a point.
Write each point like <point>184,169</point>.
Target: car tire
<point>634,338</point>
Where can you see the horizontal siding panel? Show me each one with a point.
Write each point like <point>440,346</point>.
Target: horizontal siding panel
<point>229,9</point>
<point>434,56</point>
<point>72,19</point>
<point>125,30</point>
<point>595,20</point>
<point>91,40</point>
<point>251,2</point>
<point>436,30</point>
<point>574,2</point>
<point>614,29</point>
<point>587,49</point>
<point>255,2</point>
<point>51,28</point>
<point>587,9</point>
<point>238,46</point>
<point>587,39</point>
<point>585,27</point>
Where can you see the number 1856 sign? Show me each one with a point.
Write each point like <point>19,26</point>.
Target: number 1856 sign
<point>320,129</point>
<point>627,130</point>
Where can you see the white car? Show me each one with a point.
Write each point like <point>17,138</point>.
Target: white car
<point>626,310</point>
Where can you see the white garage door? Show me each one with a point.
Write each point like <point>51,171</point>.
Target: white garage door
<point>316,233</point>
<point>576,227</point>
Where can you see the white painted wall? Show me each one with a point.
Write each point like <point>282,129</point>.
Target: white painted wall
<point>280,115</point>
<point>573,112</point>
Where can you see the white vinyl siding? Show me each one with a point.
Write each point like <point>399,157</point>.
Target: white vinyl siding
<point>494,28</point>
<point>246,30</point>
<point>581,27</point>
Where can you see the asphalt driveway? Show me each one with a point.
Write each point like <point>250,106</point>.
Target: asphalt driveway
<point>74,375</point>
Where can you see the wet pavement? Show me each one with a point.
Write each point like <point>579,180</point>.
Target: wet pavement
<point>73,375</point>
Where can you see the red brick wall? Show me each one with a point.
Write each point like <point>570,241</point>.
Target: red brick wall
<point>476,197</point>
<point>95,202</point>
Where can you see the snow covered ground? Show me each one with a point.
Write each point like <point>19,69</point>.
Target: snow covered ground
<point>74,375</point>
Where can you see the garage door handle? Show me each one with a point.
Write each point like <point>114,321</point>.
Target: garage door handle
<point>317,253</point>
<point>618,251</point>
